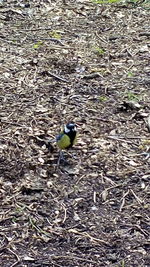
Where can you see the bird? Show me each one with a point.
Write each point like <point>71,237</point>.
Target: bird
<point>67,138</point>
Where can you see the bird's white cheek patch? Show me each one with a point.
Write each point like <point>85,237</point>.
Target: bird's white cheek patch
<point>66,129</point>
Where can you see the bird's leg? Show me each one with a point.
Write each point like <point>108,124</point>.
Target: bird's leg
<point>61,157</point>
<point>71,155</point>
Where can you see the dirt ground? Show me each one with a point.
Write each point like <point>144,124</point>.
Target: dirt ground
<point>78,61</point>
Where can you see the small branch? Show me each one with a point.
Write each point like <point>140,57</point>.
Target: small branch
<point>136,197</point>
<point>123,201</point>
<point>74,258</point>
<point>35,29</point>
<point>39,230</point>
<point>65,214</point>
<point>18,259</point>
<point>57,77</point>
<point>128,137</point>
<point>86,235</point>
<point>92,76</point>
<point>144,34</point>
<point>48,39</point>
<point>119,139</point>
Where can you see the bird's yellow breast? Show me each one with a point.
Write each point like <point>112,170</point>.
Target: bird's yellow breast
<point>64,141</point>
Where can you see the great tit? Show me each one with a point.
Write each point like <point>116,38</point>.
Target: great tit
<point>67,138</point>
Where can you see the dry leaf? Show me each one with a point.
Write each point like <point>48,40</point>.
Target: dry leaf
<point>104,194</point>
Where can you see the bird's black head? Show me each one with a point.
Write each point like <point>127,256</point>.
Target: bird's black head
<point>70,127</point>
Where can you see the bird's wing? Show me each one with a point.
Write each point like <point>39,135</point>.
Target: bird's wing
<point>58,137</point>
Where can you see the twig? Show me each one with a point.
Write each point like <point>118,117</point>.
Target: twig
<point>57,77</point>
<point>101,38</point>
<point>4,242</point>
<point>142,231</point>
<point>9,42</point>
<point>123,201</point>
<point>65,214</point>
<point>122,204</point>
<point>92,76</point>
<point>72,257</point>
<point>94,197</point>
<point>104,120</point>
<point>35,29</point>
<point>144,34</point>
<point>18,259</point>
<point>120,139</point>
<point>139,228</point>
<point>114,186</point>
<point>92,239</point>
<point>15,124</point>
<point>48,39</point>
<point>38,228</point>
<point>136,197</point>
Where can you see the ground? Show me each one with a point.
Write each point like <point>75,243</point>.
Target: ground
<point>75,61</point>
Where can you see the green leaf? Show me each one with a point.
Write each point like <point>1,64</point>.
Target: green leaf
<point>102,98</point>
<point>14,219</point>
<point>99,50</point>
<point>37,45</point>
<point>132,97</point>
<point>55,34</point>
<point>130,74</point>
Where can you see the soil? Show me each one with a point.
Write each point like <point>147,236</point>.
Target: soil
<point>78,61</point>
